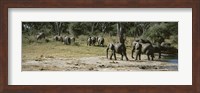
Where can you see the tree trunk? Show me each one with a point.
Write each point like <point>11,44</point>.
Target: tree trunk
<point>120,33</point>
<point>58,27</point>
<point>70,29</point>
<point>92,29</point>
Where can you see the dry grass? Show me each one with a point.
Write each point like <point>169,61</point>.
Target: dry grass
<point>41,49</point>
<point>55,56</point>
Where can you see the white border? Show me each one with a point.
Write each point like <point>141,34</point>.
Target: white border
<point>181,77</point>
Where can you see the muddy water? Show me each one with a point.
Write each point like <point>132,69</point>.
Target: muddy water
<point>170,59</point>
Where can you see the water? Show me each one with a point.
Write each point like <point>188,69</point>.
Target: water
<point>170,58</point>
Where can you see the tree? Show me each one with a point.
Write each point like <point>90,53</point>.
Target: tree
<point>120,32</point>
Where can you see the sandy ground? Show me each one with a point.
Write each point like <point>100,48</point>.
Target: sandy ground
<point>97,63</point>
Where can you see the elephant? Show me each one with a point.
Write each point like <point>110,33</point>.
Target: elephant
<point>119,48</point>
<point>164,44</point>
<point>89,41</point>
<point>100,41</point>
<point>58,38</point>
<point>93,40</point>
<point>143,41</point>
<point>73,39</point>
<point>146,48</point>
<point>137,48</point>
<point>67,40</point>
<point>40,36</point>
<point>167,48</point>
<point>55,38</point>
<point>157,49</point>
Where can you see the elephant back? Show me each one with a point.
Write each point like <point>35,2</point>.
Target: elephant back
<point>60,38</point>
<point>145,47</point>
<point>144,41</point>
<point>93,38</point>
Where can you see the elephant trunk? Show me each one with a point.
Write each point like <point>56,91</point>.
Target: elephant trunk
<point>107,52</point>
<point>133,50</point>
<point>132,53</point>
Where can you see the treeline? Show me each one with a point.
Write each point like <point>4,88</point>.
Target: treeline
<point>153,31</point>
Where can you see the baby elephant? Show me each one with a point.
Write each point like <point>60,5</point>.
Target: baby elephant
<point>58,38</point>
<point>67,40</point>
<point>143,46</point>
<point>40,36</point>
<point>93,39</point>
<point>101,41</point>
<point>119,48</point>
<point>72,39</point>
<point>137,48</point>
<point>89,41</point>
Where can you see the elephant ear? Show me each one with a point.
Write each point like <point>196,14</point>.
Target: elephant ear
<point>145,47</point>
<point>138,46</point>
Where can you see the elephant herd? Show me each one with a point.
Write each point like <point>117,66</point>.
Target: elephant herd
<point>139,47</point>
<point>93,40</point>
<point>143,46</point>
<point>67,40</point>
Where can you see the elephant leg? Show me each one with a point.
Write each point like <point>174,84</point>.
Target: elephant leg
<point>132,53</point>
<point>107,52</point>
<point>152,56</point>
<point>114,54</point>
<point>122,56</point>
<point>124,53</point>
<point>159,55</point>
<point>136,57</point>
<point>111,55</point>
<point>148,57</point>
<point>139,56</point>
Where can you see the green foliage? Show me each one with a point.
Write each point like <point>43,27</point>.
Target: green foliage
<point>160,31</point>
<point>154,31</point>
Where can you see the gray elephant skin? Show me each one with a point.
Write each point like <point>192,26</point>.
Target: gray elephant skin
<point>67,40</point>
<point>40,36</point>
<point>116,48</point>
<point>89,41</point>
<point>143,46</point>
<point>94,39</point>
<point>72,39</point>
<point>101,41</point>
<point>58,38</point>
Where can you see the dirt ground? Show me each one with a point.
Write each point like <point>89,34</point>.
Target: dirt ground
<point>97,63</point>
